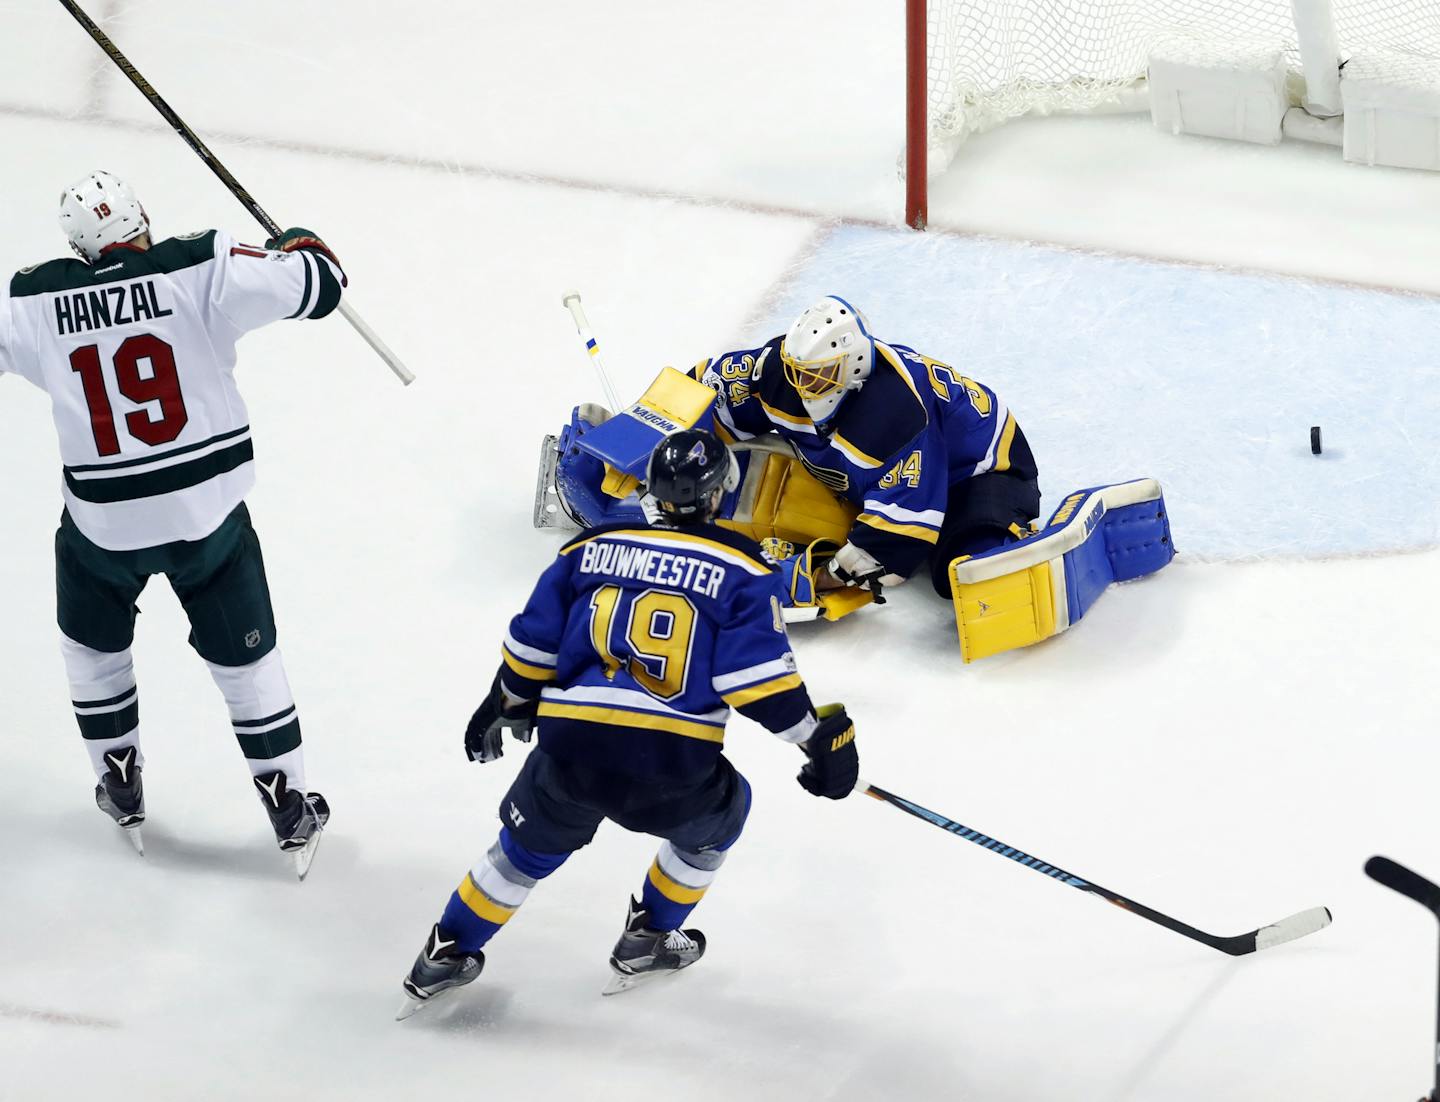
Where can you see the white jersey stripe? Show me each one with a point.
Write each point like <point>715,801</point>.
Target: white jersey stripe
<point>779,667</point>
<point>628,698</point>
<point>528,653</point>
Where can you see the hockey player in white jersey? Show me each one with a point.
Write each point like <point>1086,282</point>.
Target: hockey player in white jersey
<point>135,344</point>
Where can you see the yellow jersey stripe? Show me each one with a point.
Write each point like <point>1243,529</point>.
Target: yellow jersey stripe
<point>482,904</point>
<point>1007,437</point>
<point>885,524</point>
<point>646,721</point>
<point>525,669</point>
<point>751,693</point>
<point>666,536</point>
<point>781,415</point>
<point>670,889</point>
<point>856,455</point>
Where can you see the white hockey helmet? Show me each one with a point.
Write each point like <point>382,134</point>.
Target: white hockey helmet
<point>827,353</point>
<point>100,210</point>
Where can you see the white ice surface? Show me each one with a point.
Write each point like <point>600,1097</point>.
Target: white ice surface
<point>1227,742</point>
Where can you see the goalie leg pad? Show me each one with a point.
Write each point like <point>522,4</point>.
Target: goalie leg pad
<point>1021,593</point>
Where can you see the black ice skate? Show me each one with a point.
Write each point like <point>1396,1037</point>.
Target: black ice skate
<point>121,795</point>
<point>642,953</point>
<point>439,967</point>
<point>298,818</point>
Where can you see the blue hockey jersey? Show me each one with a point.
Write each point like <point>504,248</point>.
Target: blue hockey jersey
<point>894,448</point>
<point>638,640</point>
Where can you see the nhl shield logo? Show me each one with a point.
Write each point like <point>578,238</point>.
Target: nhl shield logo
<point>252,638</point>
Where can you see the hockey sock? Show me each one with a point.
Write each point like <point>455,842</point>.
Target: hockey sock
<point>105,699</point>
<point>493,890</point>
<point>677,880</point>
<point>263,715</point>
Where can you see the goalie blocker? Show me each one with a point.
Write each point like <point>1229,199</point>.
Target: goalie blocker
<point>1021,593</point>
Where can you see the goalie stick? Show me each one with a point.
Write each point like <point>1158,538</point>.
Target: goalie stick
<point>213,162</point>
<point>571,301</point>
<point>1266,937</point>
<point>1408,883</point>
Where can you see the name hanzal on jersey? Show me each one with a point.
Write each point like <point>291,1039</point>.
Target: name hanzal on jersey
<point>120,304</point>
<point>646,564</point>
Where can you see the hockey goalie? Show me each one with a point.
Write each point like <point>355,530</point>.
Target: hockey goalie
<point>861,463</point>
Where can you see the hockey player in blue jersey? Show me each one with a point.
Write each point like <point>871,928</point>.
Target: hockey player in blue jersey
<point>934,461</point>
<point>634,646</point>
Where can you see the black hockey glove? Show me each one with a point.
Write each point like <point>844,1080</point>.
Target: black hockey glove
<point>483,732</point>
<point>834,765</point>
<point>299,238</point>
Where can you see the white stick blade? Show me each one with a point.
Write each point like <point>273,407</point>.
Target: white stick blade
<point>1288,929</point>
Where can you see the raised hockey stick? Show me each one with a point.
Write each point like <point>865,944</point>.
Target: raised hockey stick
<point>571,301</point>
<point>246,199</point>
<point>1398,878</point>
<point>1266,937</point>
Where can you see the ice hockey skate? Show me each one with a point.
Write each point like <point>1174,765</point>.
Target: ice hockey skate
<point>121,795</point>
<point>298,818</point>
<point>439,968</point>
<point>644,954</point>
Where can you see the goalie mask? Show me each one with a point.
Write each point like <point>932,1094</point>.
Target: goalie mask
<point>100,210</point>
<point>827,353</point>
<point>688,474</point>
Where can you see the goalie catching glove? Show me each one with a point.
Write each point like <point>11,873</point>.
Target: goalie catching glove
<point>497,713</point>
<point>834,766</point>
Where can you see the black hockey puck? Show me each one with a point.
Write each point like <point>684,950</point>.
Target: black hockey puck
<point>1314,439</point>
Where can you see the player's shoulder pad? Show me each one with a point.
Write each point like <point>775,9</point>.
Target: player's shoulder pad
<point>703,537</point>
<point>745,363</point>
<point>63,274</point>
<point>599,530</point>
<point>736,541</point>
<point>184,250</point>
<point>879,420</point>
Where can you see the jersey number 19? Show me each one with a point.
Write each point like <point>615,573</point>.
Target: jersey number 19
<point>162,386</point>
<point>654,646</point>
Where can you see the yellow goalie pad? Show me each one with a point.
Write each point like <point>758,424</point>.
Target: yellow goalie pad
<point>780,498</point>
<point>1000,614</point>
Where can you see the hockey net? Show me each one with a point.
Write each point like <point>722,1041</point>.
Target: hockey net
<point>991,60</point>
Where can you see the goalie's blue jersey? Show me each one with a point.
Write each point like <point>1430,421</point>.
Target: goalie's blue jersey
<point>639,640</point>
<point>895,446</point>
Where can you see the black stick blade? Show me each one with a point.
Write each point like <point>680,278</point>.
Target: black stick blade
<point>1398,878</point>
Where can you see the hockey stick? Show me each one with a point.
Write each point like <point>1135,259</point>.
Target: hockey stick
<point>1398,878</point>
<point>1266,937</point>
<point>246,200</point>
<point>571,301</point>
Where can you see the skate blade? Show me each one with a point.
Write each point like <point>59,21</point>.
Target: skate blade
<point>621,982</point>
<point>412,1005</point>
<point>408,1007</point>
<point>133,833</point>
<point>306,854</point>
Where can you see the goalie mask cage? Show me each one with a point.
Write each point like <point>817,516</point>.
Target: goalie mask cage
<point>972,64</point>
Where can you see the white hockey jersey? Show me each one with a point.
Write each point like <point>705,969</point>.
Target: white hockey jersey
<point>137,353</point>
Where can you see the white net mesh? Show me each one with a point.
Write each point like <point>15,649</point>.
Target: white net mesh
<point>991,60</point>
